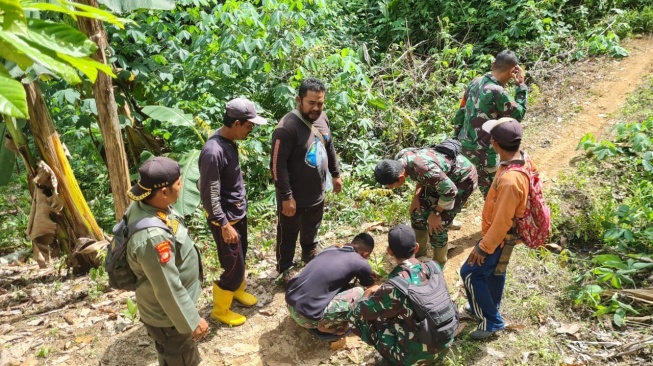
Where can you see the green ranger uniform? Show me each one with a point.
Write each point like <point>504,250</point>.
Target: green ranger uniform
<point>386,321</point>
<point>446,184</point>
<point>485,99</point>
<point>168,270</point>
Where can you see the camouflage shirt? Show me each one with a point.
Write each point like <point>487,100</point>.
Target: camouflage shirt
<point>486,99</point>
<point>437,171</point>
<point>386,320</point>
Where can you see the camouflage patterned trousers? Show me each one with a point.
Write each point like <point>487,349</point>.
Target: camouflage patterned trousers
<point>428,201</point>
<point>335,315</point>
<point>486,163</point>
<point>396,350</point>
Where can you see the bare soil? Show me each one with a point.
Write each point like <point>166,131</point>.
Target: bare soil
<point>52,320</point>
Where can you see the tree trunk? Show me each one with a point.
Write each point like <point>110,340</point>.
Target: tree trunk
<point>77,221</point>
<point>108,115</point>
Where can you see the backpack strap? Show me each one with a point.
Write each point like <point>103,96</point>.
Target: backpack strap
<point>401,283</point>
<point>311,126</point>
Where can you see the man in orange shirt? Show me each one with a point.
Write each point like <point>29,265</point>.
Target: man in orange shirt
<point>484,272</point>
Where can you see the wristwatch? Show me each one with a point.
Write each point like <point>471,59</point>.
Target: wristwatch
<point>436,212</point>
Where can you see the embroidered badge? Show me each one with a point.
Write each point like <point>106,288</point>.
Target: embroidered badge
<point>164,251</point>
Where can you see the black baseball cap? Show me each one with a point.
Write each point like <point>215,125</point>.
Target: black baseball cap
<point>401,240</point>
<point>155,173</point>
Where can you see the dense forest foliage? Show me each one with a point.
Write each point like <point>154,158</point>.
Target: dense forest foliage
<point>394,69</point>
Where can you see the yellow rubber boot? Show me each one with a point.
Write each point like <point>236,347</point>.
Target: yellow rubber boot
<point>244,298</point>
<point>221,303</point>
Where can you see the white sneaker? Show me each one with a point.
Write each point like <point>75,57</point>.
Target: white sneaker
<point>455,225</point>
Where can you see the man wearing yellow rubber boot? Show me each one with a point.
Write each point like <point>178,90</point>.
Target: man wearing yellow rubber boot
<point>224,200</point>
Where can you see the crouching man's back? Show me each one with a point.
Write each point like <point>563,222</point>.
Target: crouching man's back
<point>386,318</point>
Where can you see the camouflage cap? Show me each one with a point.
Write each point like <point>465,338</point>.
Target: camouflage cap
<point>401,240</point>
<point>506,131</point>
<point>155,173</point>
<point>244,110</point>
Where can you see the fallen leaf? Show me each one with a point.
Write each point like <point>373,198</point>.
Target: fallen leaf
<point>338,344</point>
<point>568,329</point>
<point>69,317</point>
<point>5,328</point>
<point>541,318</point>
<point>84,312</point>
<point>36,322</point>
<point>67,345</point>
<point>85,339</point>
<point>267,311</point>
<point>495,353</point>
<point>525,356</point>
<point>515,327</point>
<point>353,356</point>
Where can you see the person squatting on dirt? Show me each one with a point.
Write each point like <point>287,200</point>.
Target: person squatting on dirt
<point>167,266</point>
<point>443,186</point>
<point>385,317</point>
<point>321,296</point>
<point>484,272</point>
<point>485,98</point>
<point>303,154</point>
<point>224,199</point>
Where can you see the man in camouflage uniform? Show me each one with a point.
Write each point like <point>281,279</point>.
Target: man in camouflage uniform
<point>384,317</point>
<point>320,297</point>
<point>485,99</point>
<point>167,266</point>
<point>444,183</point>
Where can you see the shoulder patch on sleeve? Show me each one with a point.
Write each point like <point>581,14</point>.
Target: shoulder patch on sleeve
<point>164,251</point>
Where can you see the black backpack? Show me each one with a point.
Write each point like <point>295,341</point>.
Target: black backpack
<point>436,316</point>
<point>121,276</point>
<point>450,147</point>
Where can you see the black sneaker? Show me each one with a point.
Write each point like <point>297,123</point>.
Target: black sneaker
<point>308,256</point>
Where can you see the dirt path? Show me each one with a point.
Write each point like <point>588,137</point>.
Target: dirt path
<point>594,91</point>
<point>78,329</point>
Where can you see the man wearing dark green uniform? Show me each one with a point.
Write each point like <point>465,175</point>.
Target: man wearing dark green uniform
<point>167,266</point>
<point>385,317</point>
<point>485,99</point>
<point>444,184</point>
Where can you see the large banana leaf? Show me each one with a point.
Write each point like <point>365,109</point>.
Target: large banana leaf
<point>60,37</point>
<point>12,96</point>
<point>126,6</point>
<point>7,157</point>
<point>173,116</point>
<point>189,197</point>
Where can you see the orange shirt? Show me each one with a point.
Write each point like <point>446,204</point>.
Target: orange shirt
<point>506,199</point>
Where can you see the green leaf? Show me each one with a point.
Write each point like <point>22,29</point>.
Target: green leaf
<point>9,52</point>
<point>7,157</point>
<point>13,12</point>
<point>59,68</point>
<point>86,11</point>
<point>60,38</point>
<point>170,115</point>
<point>88,66</point>
<point>619,317</point>
<point>126,6</point>
<point>13,100</point>
<point>189,197</point>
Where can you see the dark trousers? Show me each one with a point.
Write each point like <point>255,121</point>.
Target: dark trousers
<point>484,291</point>
<point>174,348</point>
<point>305,223</point>
<point>231,256</point>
